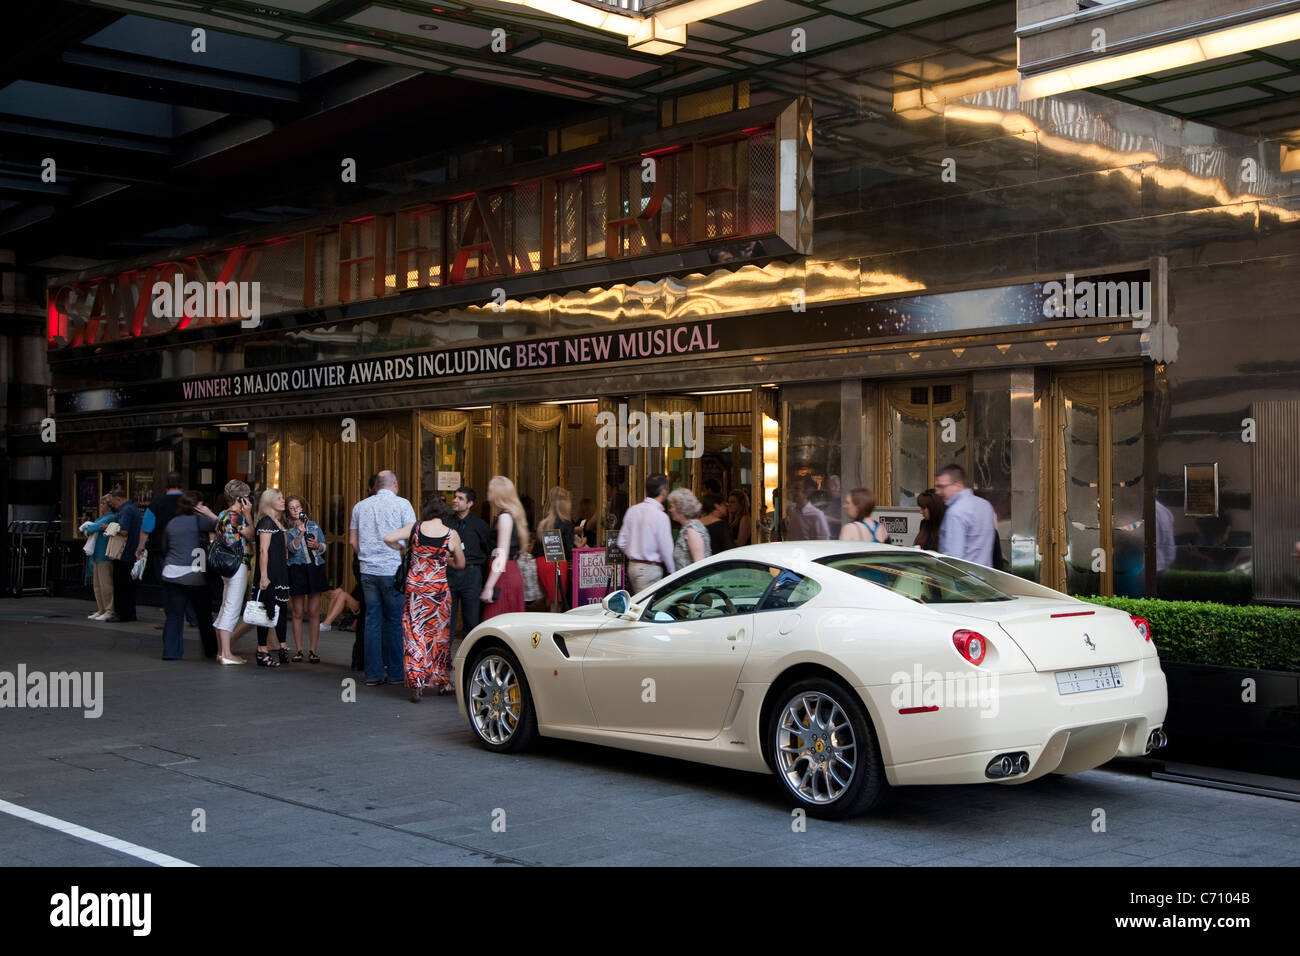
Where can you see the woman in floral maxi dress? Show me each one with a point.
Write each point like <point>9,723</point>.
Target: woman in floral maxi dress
<point>426,617</point>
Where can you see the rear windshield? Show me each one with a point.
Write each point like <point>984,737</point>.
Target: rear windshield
<point>917,576</point>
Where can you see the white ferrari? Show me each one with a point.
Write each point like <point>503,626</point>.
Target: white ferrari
<point>843,668</point>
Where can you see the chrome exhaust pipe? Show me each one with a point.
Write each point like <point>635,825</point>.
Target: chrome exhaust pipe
<point>1007,765</point>
<point>1156,739</point>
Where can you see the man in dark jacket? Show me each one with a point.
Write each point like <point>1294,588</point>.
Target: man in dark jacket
<point>466,585</point>
<point>128,516</point>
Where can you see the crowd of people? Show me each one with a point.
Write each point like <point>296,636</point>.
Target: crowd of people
<point>418,575</point>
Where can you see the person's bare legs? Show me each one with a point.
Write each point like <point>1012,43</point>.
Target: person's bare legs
<point>337,600</point>
<point>295,619</point>
<point>313,621</point>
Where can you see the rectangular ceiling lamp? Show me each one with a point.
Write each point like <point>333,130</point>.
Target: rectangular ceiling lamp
<point>653,37</point>
<point>1167,56</point>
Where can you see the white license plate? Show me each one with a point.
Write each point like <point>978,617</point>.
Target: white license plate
<point>1088,678</point>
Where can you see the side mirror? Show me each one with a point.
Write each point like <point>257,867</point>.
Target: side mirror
<point>616,603</point>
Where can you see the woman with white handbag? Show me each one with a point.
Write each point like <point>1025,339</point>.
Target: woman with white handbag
<point>272,580</point>
<point>101,567</point>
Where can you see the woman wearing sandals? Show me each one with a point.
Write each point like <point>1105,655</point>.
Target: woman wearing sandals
<point>306,543</point>
<point>235,526</point>
<point>272,576</point>
<point>426,614</point>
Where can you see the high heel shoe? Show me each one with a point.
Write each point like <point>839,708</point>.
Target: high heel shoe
<point>264,659</point>
<point>416,693</point>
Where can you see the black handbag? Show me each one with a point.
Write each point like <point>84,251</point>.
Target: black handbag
<point>403,569</point>
<point>224,559</point>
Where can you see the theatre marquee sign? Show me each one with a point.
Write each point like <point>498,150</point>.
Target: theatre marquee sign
<point>910,317</point>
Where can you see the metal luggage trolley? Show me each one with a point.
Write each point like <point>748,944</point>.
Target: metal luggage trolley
<point>29,557</point>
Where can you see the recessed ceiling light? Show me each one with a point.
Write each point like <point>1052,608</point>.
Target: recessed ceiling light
<point>428,26</point>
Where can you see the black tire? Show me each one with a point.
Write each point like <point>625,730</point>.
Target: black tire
<point>523,733</point>
<point>866,785</point>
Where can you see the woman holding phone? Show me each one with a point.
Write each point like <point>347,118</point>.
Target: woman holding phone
<point>307,583</point>
<point>235,526</point>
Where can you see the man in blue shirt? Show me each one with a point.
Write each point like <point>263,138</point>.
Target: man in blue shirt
<point>970,525</point>
<point>373,518</point>
<point>128,516</point>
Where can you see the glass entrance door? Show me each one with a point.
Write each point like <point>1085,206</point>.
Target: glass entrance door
<point>1092,520</point>
<point>925,425</point>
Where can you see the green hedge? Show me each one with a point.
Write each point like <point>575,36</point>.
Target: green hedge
<point>1200,632</point>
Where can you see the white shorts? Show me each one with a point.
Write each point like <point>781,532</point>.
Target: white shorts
<point>233,599</point>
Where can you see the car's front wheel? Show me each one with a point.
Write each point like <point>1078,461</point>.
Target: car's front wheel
<point>499,703</point>
<point>824,750</point>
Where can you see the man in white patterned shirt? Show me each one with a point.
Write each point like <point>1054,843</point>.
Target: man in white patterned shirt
<point>373,518</point>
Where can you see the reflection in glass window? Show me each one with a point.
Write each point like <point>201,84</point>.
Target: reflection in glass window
<point>713,592</point>
<point>919,577</point>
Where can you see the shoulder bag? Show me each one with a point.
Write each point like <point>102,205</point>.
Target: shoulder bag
<point>222,558</point>
<point>528,571</point>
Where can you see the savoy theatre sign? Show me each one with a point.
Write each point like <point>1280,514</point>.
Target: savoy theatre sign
<point>738,185</point>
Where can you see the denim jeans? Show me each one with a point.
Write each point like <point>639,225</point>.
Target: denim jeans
<point>384,654</point>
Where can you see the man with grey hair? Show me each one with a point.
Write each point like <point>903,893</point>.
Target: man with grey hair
<point>373,518</point>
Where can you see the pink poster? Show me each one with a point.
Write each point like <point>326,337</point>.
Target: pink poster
<point>593,578</point>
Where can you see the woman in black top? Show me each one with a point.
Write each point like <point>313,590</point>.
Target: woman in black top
<point>713,515</point>
<point>558,512</point>
<point>272,576</point>
<point>931,506</point>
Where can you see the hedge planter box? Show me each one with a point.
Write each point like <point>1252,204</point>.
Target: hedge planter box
<point>1212,722</point>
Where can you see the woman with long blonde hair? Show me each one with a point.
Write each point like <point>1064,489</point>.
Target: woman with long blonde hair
<point>559,513</point>
<point>503,591</point>
<point>272,576</point>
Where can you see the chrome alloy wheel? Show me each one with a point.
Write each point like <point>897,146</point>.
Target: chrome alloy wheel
<point>816,752</point>
<point>495,699</point>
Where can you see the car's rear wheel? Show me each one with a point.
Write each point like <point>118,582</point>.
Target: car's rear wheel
<point>824,750</point>
<point>499,703</point>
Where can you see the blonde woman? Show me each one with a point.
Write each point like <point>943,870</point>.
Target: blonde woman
<point>559,504</point>
<point>272,576</point>
<point>503,591</point>
<point>693,542</point>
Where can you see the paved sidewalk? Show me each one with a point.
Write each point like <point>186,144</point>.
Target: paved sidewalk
<point>285,772</point>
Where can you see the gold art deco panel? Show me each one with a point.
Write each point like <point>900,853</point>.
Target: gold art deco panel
<point>331,474</point>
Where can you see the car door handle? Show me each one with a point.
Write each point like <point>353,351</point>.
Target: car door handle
<point>736,635</point>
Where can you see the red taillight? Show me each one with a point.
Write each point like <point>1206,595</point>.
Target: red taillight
<point>970,644</point>
<point>1143,626</point>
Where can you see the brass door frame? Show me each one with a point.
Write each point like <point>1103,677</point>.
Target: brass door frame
<point>1052,535</point>
<point>884,466</point>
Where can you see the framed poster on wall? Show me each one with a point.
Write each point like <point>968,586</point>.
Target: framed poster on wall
<point>1201,490</point>
<point>141,490</point>
<point>88,493</point>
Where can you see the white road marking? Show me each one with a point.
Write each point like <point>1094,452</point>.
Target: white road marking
<point>91,836</point>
